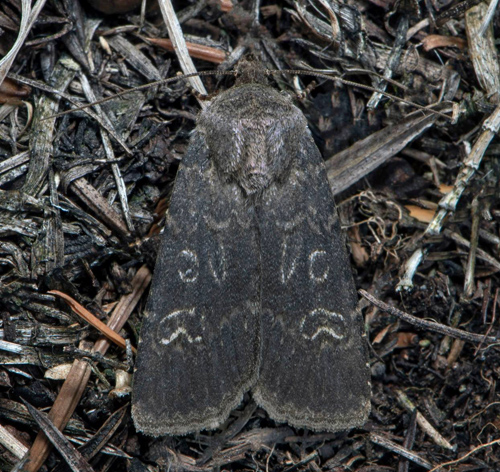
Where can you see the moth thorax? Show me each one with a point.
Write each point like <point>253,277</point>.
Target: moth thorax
<point>257,159</point>
<point>252,134</point>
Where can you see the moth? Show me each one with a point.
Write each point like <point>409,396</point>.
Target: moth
<point>252,289</point>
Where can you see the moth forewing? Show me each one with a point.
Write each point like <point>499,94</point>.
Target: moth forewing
<point>313,332</point>
<point>252,289</point>
<point>199,351</point>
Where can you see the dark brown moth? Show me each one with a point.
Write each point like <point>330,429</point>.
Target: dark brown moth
<point>252,289</point>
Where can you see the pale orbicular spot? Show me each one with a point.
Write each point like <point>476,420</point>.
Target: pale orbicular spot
<point>180,325</point>
<point>290,253</point>
<point>188,266</point>
<point>321,322</point>
<point>218,264</point>
<point>318,266</point>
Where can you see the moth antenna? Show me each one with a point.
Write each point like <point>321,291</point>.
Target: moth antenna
<point>379,76</point>
<point>358,70</point>
<point>360,86</point>
<point>322,75</point>
<point>143,87</point>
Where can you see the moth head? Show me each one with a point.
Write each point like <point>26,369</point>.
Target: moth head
<point>251,72</point>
